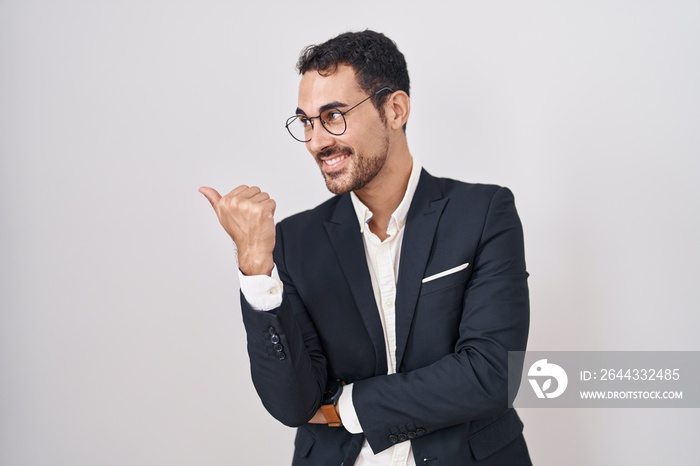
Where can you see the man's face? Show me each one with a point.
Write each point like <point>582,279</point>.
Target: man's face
<point>352,160</point>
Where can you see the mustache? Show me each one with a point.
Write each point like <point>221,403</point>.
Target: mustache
<point>333,151</point>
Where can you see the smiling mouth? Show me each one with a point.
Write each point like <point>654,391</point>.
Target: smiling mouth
<point>332,162</point>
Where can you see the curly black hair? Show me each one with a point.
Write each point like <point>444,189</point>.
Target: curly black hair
<point>375,58</point>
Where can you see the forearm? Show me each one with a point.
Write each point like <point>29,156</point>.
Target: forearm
<point>289,375</point>
<point>470,384</point>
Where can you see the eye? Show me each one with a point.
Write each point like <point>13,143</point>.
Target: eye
<point>304,121</point>
<point>333,115</point>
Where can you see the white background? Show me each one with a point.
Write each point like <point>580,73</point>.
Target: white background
<point>121,341</point>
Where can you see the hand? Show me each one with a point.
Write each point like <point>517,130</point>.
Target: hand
<point>247,214</point>
<point>318,418</point>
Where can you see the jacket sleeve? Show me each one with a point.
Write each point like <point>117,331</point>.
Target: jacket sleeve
<point>287,363</point>
<point>471,383</point>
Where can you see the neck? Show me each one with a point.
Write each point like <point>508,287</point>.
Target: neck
<point>384,193</point>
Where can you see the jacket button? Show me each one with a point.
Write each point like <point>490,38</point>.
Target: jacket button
<point>420,431</point>
<point>410,434</point>
<point>272,330</point>
<point>403,437</point>
<point>275,339</point>
<point>281,355</point>
<point>278,347</point>
<point>393,438</point>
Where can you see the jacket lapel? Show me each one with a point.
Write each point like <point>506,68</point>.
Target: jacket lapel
<point>344,233</point>
<point>421,224</point>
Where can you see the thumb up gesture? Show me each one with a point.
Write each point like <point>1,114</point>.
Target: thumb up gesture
<point>247,215</point>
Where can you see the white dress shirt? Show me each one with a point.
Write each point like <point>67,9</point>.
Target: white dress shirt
<point>264,293</point>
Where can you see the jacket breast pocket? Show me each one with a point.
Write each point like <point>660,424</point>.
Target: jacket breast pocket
<point>446,279</point>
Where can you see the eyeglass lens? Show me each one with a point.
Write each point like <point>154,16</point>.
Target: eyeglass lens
<point>301,128</point>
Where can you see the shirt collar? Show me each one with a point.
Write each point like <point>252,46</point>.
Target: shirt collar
<point>398,218</point>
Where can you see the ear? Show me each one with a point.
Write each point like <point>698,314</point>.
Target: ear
<point>397,108</point>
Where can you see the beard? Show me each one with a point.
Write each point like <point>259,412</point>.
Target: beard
<point>360,171</point>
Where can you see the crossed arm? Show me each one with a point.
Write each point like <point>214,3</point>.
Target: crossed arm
<point>468,383</point>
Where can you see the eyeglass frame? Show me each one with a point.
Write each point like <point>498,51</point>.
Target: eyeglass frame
<point>342,113</point>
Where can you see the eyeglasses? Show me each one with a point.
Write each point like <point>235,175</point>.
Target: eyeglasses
<point>301,127</point>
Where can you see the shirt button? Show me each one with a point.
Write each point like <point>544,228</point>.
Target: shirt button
<point>274,291</point>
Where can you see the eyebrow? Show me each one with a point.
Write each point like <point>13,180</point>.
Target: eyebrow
<point>323,108</point>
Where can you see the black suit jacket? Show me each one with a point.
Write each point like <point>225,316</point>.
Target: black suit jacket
<point>450,393</point>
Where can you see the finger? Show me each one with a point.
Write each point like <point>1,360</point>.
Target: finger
<point>238,190</point>
<point>271,205</point>
<point>211,194</point>
<point>250,192</point>
<point>260,197</point>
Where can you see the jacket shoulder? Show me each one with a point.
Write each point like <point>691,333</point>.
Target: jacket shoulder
<point>472,192</point>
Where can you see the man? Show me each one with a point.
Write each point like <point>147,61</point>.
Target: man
<point>380,322</point>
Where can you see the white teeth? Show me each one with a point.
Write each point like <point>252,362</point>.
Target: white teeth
<point>334,160</point>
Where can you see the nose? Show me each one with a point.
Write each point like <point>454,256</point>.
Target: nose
<point>320,139</point>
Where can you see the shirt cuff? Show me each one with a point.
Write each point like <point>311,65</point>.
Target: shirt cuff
<point>347,411</point>
<point>263,293</point>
